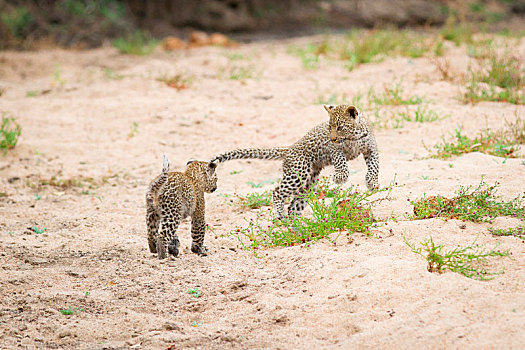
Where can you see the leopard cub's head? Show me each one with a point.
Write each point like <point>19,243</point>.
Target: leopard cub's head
<point>346,123</point>
<point>203,173</point>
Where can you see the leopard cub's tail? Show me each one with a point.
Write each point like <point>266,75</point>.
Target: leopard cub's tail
<point>165,165</point>
<point>160,180</point>
<point>251,153</point>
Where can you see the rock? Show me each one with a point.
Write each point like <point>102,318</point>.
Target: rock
<point>405,12</point>
<point>219,39</point>
<point>171,327</point>
<point>282,319</point>
<point>198,38</point>
<point>64,334</point>
<point>172,43</point>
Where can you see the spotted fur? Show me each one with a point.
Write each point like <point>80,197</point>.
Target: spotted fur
<point>344,137</point>
<point>173,196</point>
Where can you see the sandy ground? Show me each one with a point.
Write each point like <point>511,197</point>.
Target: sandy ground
<point>93,255</point>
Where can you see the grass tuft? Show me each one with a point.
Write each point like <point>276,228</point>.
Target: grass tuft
<point>195,292</point>
<point>392,96</point>
<point>467,261</point>
<point>255,200</point>
<point>499,78</point>
<point>334,210</point>
<point>457,31</point>
<point>10,130</point>
<point>501,143</point>
<point>518,232</point>
<point>477,204</point>
<point>139,43</point>
<point>178,81</point>
<point>71,310</point>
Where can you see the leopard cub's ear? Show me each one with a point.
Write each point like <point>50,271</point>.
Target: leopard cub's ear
<point>191,161</point>
<point>329,108</point>
<point>352,111</point>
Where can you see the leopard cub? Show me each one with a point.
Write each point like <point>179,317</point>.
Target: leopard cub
<point>173,196</point>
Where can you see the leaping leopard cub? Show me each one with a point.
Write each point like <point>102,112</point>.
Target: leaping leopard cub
<point>173,196</point>
<point>344,137</point>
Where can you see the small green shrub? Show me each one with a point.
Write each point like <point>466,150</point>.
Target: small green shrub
<point>420,115</point>
<point>309,55</point>
<point>367,46</point>
<point>17,20</point>
<point>518,232</point>
<point>467,261</point>
<point>499,78</point>
<point>501,143</point>
<point>255,200</point>
<point>334,210</point>
<point>393,96</point>
<point>195,292</point>
<point>178,81</point>
<point>71,310</point>
<point>457,31</point>
<point>477,204</point>
<point>373,46</point>
<point>10,130</point>
<point>138,43</point>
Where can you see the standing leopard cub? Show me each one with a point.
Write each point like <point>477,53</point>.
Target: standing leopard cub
<point>345,136</point>
<point>173,196</point>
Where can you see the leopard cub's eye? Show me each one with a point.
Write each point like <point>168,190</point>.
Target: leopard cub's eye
<point>339,128</point>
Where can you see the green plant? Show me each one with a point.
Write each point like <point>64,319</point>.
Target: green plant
<point>309,55</point>
<point>467,261</point>
<point>499,78</point>
<point>372,46</point>
<point>518,232</point>
<point>366,46</point>
<point>478,204</point>
<point>57,77</point>
<point>393,96</point>
<point>71,310</point>
<point>457,31</point>
<point>17,20</point>
<point>260,184</point>
<point>235,172</point>
<point>110,74</point>
<point>79,181</point>
<point>241,72</point>
<point>138,43</point>
<point>331,99</point>
<point>195,292</point>
<point>10,130</point>
<point>196,324</point>
<point>420,115</point>
<point>501,143</point>
<point>133,130</point>
<point>334,210</point>
<point>33,93</point>
<point>37,230</point>
<point>178,81</point>
<point>255,200</point>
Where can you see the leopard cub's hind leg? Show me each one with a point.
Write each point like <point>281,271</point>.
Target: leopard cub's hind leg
<point>198,229</point>
<point>152,221</point>
<point>167,239</point>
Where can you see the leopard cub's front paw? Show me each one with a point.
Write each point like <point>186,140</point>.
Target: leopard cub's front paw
<point>200,250</point>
